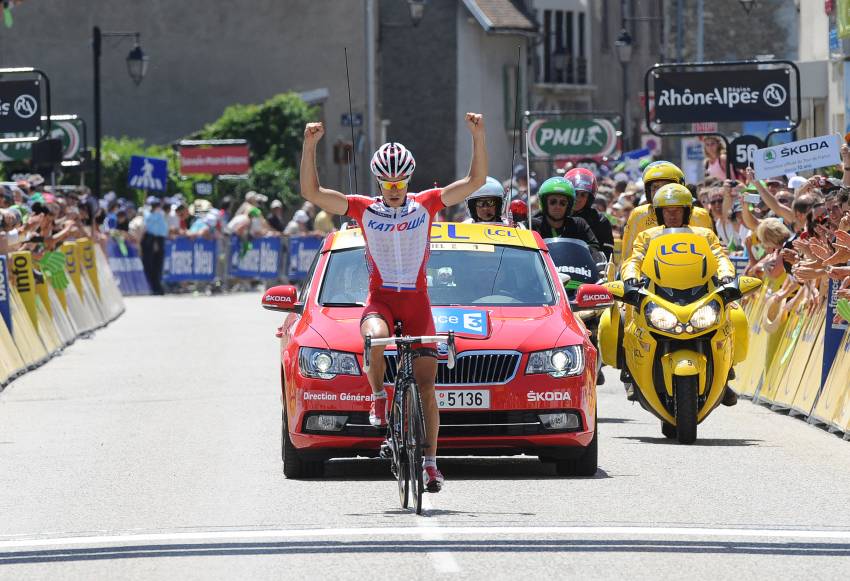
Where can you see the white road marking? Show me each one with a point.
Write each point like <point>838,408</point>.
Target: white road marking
<point>443,561</point>
<point>275,534</point>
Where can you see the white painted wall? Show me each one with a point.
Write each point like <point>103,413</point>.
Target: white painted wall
<point>480,61</point>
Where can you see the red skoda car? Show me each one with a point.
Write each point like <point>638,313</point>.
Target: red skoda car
<point>525,377</point>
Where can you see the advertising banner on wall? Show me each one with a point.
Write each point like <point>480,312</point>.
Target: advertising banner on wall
<point>188,259</point>
<point>257,258</point>
<point>722,95</point>
<point>215,160</point>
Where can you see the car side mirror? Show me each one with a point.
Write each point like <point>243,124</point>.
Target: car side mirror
<point>592,297</point>
<point>564,278</point>
<point>282,298</point>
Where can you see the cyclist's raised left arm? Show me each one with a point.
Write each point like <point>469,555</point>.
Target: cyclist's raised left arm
<point>458,191</point>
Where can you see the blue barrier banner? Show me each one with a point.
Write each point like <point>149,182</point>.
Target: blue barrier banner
<point>188,259</point>
<point>302,250</point>
<point>5,298</point>
<point>126,265</point>
<point>257,258</point>
<point>834,331</point>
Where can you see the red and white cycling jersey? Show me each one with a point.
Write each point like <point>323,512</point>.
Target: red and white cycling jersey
<point>397,239</point>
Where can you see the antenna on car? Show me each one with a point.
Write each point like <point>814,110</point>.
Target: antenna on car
<point>516,127</point>
<point>353,159</point>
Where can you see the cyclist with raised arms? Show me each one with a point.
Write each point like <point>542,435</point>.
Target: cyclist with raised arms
<point>396,227</point>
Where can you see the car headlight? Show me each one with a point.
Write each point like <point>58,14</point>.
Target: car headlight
<point>558,362</point>
<point>661,318</point>
<point>326,364</point>
<point>706,316</point>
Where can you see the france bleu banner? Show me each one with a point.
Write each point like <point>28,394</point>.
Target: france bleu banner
<point>256,258</point>
<point>5,297</point>
<point>188,259</point>
<point>302,250</point>
<point>126,264</point>
<point>834,331</point>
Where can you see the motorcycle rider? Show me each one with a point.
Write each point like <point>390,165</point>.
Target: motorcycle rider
<point>655,176</point>
<point>673,207</point>
<point>584,184</point>
<point>485,205</point>
<point>557,197</point>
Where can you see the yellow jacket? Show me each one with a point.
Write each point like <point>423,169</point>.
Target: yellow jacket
<point>643,217</point>
<point>631,267</point>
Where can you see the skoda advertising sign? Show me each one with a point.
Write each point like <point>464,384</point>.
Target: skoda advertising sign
<point>20,106</point>
<point>572,137</point>
<point>722,95</point>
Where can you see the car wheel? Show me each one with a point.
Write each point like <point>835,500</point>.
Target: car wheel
<point>294,465</point>
<point>586,464</point>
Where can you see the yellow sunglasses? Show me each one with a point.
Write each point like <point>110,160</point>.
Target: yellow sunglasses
<point>399,185</point>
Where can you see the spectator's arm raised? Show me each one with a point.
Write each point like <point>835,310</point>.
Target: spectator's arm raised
<point>780,210</point>
<point>329,200</point>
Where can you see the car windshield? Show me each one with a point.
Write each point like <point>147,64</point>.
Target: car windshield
<point>466,274</point>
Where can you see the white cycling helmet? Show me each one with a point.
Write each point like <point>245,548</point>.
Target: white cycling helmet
<point>492,188</point>
<point>392,162</point>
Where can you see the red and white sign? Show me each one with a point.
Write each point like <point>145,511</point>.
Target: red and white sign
<point>215,160</point>
<point>704,127</point>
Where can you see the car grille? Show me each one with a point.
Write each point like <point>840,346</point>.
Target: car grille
<point>471,368</point>
<point>460,424</point>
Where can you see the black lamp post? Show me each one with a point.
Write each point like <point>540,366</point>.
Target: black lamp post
<point>137,67</point>
<point>747,5</point>
<point>624,55</point>
<point>417,10</point>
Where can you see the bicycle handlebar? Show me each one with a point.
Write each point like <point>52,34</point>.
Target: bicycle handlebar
<point>368,343</point>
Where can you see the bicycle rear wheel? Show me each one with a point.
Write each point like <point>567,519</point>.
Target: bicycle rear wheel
<point>399,459</point>
<point>414,443</point>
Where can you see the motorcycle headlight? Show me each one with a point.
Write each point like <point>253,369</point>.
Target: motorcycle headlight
<point>559,362</point>
<point>661,318</point>
<point>705,316</point>
<point>326,364</point>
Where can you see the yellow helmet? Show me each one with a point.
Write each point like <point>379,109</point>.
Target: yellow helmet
<point>662,170</point>
<point>672,195</point>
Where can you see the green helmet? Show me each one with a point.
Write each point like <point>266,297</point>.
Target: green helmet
<point>559,186</point>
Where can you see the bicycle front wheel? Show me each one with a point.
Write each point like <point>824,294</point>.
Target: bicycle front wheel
<point>414,443</point>
<point>399,459</point>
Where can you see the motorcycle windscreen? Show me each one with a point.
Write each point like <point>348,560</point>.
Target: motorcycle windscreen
<point>679,259</point>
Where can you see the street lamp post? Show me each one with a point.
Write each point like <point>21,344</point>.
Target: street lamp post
<point>137,67</point>
<point>624,55</point>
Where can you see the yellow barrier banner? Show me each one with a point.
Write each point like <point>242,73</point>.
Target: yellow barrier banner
<point>89,263</point>
<point>782,357</point>
<point>749,373</point>
<point>21,269</point>
<point>72,265</point>
<point>44,296</point>
<point>10,360</point>
<point>842,375</point>
<point>807,394</point>
<point>789,382</point>
<point>24,333</point>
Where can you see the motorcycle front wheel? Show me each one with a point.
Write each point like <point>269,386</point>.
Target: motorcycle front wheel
<point>686,408</point>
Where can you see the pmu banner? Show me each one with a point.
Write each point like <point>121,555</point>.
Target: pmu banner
<point>834,331</point>
<point>126,264</point>
<point>256,258</point>
<point>302,250</point>
<point>722,95</point>
<point>25,282</point>
<point>5,297</point>
<point>189,259</point>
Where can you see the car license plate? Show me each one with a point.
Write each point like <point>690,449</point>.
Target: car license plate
<point>463,399</point>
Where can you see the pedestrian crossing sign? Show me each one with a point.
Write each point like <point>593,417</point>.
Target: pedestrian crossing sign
<point>148,173</point>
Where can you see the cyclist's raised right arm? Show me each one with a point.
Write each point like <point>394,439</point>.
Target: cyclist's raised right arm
<point>328,200</point>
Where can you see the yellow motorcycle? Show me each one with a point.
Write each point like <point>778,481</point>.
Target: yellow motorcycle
<point>679,345</point>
